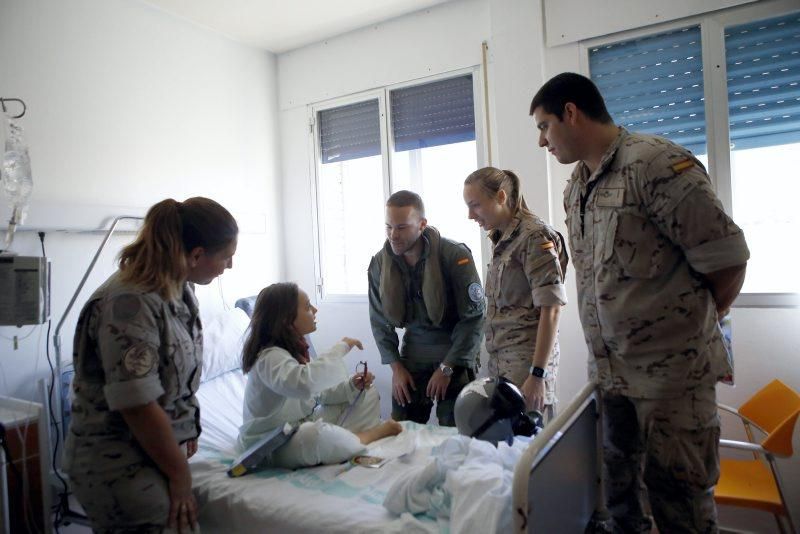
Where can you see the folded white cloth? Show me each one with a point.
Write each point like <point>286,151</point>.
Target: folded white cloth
<point>467,480</point>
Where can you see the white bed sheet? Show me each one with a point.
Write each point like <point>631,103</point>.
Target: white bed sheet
<point>332,499</point>
<point>221,403</point>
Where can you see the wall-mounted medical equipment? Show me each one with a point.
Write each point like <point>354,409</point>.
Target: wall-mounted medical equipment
<point>24,290</point>
<point>16,179</point>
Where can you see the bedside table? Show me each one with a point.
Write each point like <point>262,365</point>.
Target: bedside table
<point>26,433</point>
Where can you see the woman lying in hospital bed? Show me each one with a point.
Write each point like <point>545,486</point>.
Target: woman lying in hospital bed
<point>337,414</point>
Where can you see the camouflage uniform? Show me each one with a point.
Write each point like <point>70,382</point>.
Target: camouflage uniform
<point>527,272</point>
<point>130,348</point>
<point>455,341</point>
<point>643,228</point>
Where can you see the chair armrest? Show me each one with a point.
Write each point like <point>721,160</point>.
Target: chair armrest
<point>734,411</point>
<point>742,445</point>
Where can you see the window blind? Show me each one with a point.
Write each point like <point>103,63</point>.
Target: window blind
<point>654,85</point>
<point>433,114</point>
<point>350,132</point>
<point>763,64</point>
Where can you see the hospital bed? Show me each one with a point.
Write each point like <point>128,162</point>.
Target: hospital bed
<point>555,482</point>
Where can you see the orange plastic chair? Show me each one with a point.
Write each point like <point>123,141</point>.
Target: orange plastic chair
<point>756,483</point>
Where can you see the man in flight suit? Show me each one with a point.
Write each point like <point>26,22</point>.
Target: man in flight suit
<point>428,285</point>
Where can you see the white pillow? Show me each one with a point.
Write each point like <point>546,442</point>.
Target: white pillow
<point>223,337</point>
<point>317,443</point>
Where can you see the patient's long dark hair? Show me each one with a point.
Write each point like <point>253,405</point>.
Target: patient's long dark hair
<point>272,325</point>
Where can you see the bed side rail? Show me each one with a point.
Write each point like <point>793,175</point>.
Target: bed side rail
<point>585,404</point>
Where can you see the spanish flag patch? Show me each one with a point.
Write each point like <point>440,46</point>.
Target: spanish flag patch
<point>683,165</point>
<point>548,245</point>
<point>463,261</point>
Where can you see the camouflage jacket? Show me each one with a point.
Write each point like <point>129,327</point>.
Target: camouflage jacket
<point>131,348</point>
<point>643,228</point>
<point>526,272</point>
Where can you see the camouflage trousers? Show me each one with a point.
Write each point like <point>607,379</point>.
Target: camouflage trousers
<point>516,367</point>
<point>419,409</point>
<point>667,449</point>
<point>134,499</point>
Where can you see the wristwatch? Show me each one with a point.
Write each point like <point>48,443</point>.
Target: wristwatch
<point>446,370</point>
<point>538,372</point>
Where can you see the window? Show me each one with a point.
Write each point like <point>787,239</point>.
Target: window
<point>655,84</point>
<point>350,191</point>
<point>434,150</point>
<point>420,137</point>
<point>763,70</point>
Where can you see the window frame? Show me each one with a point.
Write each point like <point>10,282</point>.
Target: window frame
<point>712,34</point>
<point>387,150</point>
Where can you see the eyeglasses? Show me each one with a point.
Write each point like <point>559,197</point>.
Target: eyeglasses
<point>361,369</point>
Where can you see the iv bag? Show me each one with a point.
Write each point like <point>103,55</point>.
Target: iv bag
<point>16,179</point>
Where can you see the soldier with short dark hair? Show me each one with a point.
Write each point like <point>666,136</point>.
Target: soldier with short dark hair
<point>658,262</point>
<point>138,353</point>
<point>428,285</point>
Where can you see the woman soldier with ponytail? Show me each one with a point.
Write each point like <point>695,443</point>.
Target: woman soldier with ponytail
<point>524,286</point>
<point>138,356</point>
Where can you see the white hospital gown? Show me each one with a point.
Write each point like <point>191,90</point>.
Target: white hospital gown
<point>281,390</point>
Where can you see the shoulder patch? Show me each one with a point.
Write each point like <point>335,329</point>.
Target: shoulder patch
<point>475,292</point>
<point>126,307</point>
<point>547,246</point>
<point>139,359</point>
<point>462,261</point>
<point>683,165</point>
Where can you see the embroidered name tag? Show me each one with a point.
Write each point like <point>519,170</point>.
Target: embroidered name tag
<point>609,197</point>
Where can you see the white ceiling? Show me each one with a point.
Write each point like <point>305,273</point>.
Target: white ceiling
<point>281,25</point>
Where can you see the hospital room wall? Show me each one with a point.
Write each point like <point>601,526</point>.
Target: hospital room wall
<point>429,42</point>
<point>445,38</point>
<point>766,341</point>
<point>128,105</point>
